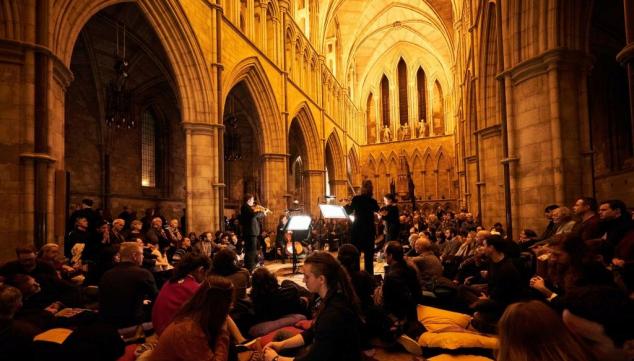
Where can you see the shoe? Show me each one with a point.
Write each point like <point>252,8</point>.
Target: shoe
<point>410,345</point>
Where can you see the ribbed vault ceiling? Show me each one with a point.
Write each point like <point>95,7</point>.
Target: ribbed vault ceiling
<point>369,29</point>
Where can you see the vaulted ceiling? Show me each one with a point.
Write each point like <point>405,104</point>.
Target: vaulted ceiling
<point>368,30</point>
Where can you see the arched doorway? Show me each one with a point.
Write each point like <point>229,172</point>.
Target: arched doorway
<point>242,149</point>
<point>298,162</point>
<point>124,143</point>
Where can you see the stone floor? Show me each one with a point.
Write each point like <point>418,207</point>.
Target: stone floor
<point>284,271</point>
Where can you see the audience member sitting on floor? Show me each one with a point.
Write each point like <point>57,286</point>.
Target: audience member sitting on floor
<point>401,292</point>
<point>531,331</point>
<point>429,266</point>
<point>186,279</point>
<point>504,286</point>
<point>200,330</point>
<point>602,317</point>
<point>16,336</point>
<point>225,264</point>
<point>37,308</point>
<point>272,301</point>
<point>335,333</point>
<point>124,288</point>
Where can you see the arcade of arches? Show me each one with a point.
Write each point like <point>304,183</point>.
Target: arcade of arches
<point>498,107</point>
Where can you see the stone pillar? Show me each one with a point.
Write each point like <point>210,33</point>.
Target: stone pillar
<point>626,56</point>
<point>315,192</point>
<point>202,162</point>
<point>274,168</point>
<point>262,36</point>
<point>340,188</point>
<point>250,20</point>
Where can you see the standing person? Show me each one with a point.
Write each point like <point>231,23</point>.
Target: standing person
<point>362,231</point>
<point>389,215</point>
<point>335,334</point>
<point>250,230</point>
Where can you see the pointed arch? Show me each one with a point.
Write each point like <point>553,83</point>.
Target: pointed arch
<point>370,168</point>
<point>382,182</point>
<point>429,176</point>
<point>443,172</point>
<point>403,83</point>
<point>308,127</point>
<point>168,19</point>
<point>438,110</point>
<point>417,172</point>
<point>250,71</point>
<point>336,150</point>
<point>393,164</point>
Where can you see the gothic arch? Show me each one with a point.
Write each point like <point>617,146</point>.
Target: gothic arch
<point>307,125</point>
<point>251,72</point>
<point>393,165</point>
<point>10,17</point>
<point>334,144</point>
<point>170,23</point>
<point>370,169</point>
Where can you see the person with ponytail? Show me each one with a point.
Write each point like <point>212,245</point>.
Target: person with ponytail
<point>335,333</point>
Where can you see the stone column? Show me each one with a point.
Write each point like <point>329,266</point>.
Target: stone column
<point>626,56</point>
<point>340,188</point>
<point>250,20</point>
<point>261,36</point>
<point>202,161</point>
<point>315,192</point>
<point>274,168</point>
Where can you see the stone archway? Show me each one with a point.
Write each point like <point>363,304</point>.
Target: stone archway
<point>138,161</point>
<point>335,165</point>
<point>303,135</point>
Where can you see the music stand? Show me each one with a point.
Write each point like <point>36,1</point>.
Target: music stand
<point>333,211</point>
<point>297,223</point>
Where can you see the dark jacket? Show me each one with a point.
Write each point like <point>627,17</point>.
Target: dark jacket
<point>401,291</point>
<point>121,294</point>
<point>335,334</point>
<point>392,225</point>
<point>249,221</point>
<point>363,232</point>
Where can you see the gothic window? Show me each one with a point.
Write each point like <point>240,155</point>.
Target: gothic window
<point>422,99</point>
<point>385,101</point>
<point>148,149</point>
<point>402,92</point>
<point>371,118</point>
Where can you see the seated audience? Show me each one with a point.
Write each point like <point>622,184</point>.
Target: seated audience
<point>184,248</point>
<point>16,337</point>
<point>272,301</point>
<point>124,288</point>
<point>531,331</point>
<point>200,329</point>
<point>401,292</point>
<point>186,279</point>
<point>79,234</point>
<point>335,333</point>
<point>602,317</point>
<point>429,266</point>
<point>225,264</point>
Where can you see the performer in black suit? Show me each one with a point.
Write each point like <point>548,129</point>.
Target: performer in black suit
<point>362,232</point>
<point>249,215</point>
<point>389,215</point>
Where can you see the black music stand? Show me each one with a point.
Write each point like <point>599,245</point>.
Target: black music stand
<point>298,223</point>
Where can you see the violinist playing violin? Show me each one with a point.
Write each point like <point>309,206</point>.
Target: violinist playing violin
<point>249,215</point>
<point>389,216</point>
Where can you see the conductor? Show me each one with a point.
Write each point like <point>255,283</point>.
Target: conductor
<point>363,233</point>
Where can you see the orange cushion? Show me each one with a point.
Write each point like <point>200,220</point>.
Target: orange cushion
<point>435,318</point>
<point>456,340</point>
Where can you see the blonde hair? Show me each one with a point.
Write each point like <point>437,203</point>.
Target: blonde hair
<point>532,331</point>
<point>128,250</point>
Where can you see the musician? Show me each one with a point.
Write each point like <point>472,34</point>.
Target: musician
<point>389,216</point>
<point>249,215</point>
<point>362,231</point>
